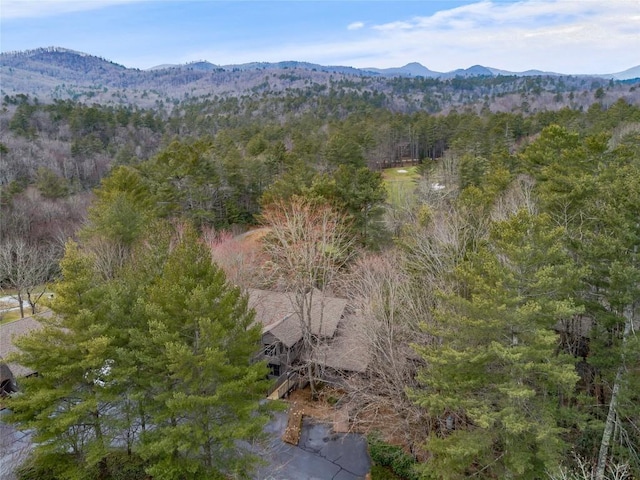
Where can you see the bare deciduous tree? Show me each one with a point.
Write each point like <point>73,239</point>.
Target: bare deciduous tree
<point>519,195</point>
<point>583,470</point>
<point>379,291</point>
<point>25,268</point>
<point>239,256</point>
<point>108,255</point>
<point>309,244</point>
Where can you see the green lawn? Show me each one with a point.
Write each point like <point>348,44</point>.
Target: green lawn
<point>14,314</point>
<point>400,173</point>
<point>400,183</point>
<point>6,317</point>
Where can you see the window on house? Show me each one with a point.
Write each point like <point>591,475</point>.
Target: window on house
<point>271,350</point>
<point>274,370</point>
<point>6,387</point>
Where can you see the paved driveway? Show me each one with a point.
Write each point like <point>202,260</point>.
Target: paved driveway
<point>320,455</point>
<point>14,448</point>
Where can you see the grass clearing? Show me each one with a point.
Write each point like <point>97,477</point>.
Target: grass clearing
<point>400,183</point>
<point>400,174</point>
<point>9,316</point>
<point>9,306</point>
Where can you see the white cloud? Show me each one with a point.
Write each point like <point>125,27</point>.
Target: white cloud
<point>43,8</point>
<point>394,26</point>
<point>586,36</point>
<point>567,36</point>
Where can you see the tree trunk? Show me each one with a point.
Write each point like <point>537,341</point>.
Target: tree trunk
<point>32,301</point>
<point>103,467</point>
<point>21,306</point>
<point>312,383</point>
<point>611,416</point>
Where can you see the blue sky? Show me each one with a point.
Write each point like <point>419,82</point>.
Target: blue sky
<point>568,36</point>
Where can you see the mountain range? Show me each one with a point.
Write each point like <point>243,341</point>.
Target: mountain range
<point>414,69</point>
<point>55,73</point>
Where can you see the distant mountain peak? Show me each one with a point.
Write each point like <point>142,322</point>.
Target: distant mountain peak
<point>478,70</point>
<point>628,74</point>
<point>203,65</point>
<point>56,50</point>
<point>38,51</point>
<point>412,69</point>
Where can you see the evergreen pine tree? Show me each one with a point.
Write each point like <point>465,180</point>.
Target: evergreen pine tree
<point>493,376</point>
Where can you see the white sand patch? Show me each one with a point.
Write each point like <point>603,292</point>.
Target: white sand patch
<point>402,171</point>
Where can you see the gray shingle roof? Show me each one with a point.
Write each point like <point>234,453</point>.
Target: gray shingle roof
<point>288,330</point>
<point>270,307</point>
<point>279,315</point>
<point>348,350</point>
<point>11,330</point>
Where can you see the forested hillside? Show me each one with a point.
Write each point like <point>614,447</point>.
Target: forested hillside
<point>498,289</point>
<point>57,73</point>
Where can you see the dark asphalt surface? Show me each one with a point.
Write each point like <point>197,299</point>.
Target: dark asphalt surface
<point>14,448</point>
<point>320,455</point>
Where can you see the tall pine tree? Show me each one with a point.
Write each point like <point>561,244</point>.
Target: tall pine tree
<point>65,405</point>
<point>207,391</point>
<point>493,377</point>
<point>154,363</point>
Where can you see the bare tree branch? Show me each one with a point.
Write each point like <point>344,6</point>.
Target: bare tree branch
<point>25,268</point>
<point>309,244</point>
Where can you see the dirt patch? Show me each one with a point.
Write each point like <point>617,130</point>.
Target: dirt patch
<point>324,409</point>
<point>341,421</point>
<point>319,409</point>
<point>254,237</point>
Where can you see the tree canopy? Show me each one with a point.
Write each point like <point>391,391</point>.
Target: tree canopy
<point>153,366</point>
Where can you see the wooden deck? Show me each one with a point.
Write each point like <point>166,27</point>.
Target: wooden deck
<point>284,385</point>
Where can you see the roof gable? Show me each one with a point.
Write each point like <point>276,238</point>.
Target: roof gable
<point>279,314</point>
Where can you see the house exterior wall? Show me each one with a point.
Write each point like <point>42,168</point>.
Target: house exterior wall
<point>278,357</point>
<point>7,380</point>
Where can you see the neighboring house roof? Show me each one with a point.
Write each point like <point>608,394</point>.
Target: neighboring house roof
<point>11,330</point>
<point>279,315</point>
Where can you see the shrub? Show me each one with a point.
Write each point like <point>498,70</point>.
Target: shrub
<point>120,466</point>
<point>386,455</point>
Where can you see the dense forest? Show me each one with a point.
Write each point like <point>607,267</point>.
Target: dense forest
<point>499,280</point>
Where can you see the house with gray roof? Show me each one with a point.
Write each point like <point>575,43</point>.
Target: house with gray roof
<point>282,346</point>
<point>328,320</point>
<point>9,371</point>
